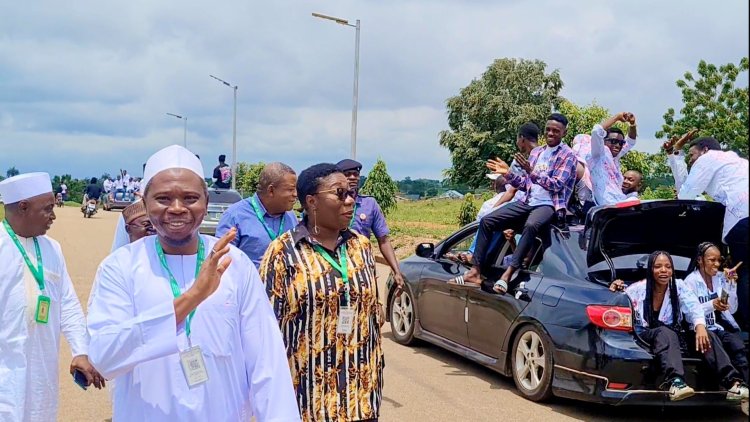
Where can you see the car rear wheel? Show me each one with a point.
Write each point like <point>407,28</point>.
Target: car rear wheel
<point>532,364</point>
<point>402,317</point>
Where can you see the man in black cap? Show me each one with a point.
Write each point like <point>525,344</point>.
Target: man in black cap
<point>368,218</point>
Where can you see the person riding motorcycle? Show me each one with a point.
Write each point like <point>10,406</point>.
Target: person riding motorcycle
<point>92,193</point>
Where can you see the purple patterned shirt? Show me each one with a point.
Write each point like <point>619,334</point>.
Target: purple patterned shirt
<point>558,177</point>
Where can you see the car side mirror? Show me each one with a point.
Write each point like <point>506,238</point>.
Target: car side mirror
<point>425,250</point>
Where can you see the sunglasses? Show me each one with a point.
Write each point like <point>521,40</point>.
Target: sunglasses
<point>341,193</point>
<point>615,141</point>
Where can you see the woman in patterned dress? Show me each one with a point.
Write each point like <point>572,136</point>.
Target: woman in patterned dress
<point>320,277</point>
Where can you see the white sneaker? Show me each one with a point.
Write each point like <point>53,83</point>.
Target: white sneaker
<point>738,392</point>
<point>679,390</point>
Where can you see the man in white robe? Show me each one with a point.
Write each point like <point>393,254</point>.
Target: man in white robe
<point>34,309</point>
<point>184,341</point>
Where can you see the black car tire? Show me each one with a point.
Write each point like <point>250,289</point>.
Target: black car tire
<point>403,317</point>
<point>533,380</point>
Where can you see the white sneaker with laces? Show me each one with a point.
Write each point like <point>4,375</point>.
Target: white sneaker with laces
<point>738,392</point>
<point>679,390</point>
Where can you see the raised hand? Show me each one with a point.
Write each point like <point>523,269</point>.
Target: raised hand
<point>731,273</point>
<point>684,139</point>
<point>213,267</point>
<point>498,166</point>
<point>629,118</point>
<point>523,162</point>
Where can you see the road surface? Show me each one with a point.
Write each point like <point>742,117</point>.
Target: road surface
<point>422,383</point>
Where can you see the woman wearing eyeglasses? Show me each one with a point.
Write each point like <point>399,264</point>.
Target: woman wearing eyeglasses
<point>717,293</point>
<point>320,277</point>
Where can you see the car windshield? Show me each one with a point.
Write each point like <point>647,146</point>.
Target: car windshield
<point>223,196</point>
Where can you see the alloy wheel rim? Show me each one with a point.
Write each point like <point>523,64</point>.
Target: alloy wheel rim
<point>530,361</point>
<point>402,313</point>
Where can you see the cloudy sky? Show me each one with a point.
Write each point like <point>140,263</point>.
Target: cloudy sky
<point>85,87</point>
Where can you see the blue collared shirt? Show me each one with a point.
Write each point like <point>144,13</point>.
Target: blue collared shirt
<point>252,237</point>
<point>368,217</point>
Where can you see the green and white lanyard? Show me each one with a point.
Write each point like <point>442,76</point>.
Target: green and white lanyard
<point>256,208</point>
<point>173,282</point>
<point>43,302</point>
<point>341,266</point>
<point>354,215</point>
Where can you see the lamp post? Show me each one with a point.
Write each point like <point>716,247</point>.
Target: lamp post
<point>355,98</point>
<point>184,134</point>
<point>234,132</point>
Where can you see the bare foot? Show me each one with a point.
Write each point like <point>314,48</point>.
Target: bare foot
<point>473,277</point>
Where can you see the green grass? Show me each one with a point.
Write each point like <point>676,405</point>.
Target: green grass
<point>433,218</point>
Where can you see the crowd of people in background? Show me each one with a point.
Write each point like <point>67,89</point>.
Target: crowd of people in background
<point>280,317</point>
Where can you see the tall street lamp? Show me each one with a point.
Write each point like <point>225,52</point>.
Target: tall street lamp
<point>355,100</point>
<point>184,134</point>
<point>234,132</point>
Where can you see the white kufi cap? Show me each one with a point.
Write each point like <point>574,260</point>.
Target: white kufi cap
<point>25,186</point>
<point>171,157</point>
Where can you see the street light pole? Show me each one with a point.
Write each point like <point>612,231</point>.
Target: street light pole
<point>355,99</point>
<point>234,132</point>
<point>184,133</point>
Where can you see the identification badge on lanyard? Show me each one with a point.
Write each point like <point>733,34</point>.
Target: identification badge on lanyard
<point>193,366</point>
<point>346,320</point>
<point>42,309</point>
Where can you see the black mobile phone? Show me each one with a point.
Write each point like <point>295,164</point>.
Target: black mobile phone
<point>724,296</point>
<point>80,379</point>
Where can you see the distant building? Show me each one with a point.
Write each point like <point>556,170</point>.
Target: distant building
<point>409,197</point>
<point>451,194</point>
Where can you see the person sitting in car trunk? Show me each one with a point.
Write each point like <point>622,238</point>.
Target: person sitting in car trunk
<point>659,302</point>
<point>717,293</point>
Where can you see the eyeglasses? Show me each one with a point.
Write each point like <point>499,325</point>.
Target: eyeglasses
<point>341,193</point>
<point>615,141</point>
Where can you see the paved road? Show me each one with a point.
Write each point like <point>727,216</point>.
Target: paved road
<point>422,383</point>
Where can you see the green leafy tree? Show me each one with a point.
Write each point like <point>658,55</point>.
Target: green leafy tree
<point>713,104</point>
<point>468,211</point>
<point>485,116</point>
<point>380,186</point>
<point>13,171</point>
<point>659,192</point>
<point>248,176</point>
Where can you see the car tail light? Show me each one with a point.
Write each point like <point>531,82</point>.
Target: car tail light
<point>618,318</point>
<point>618,386</point>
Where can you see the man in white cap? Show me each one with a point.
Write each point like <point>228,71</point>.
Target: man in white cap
<point>185,335</point>
<point>37,302</point>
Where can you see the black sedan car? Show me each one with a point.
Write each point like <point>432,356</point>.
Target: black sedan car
<point>561,332</point>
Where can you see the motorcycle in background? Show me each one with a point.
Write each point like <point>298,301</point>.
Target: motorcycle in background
<point>89,209</point>
<point>59,200</point>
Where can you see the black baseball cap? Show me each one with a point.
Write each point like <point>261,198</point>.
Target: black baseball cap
<point>349,164</point>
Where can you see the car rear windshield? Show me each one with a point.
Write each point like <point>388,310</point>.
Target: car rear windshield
<point>223,196</point>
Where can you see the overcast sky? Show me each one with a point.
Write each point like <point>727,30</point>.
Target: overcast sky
<point>85,86</point>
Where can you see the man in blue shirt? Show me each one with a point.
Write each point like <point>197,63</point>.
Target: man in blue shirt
<point>264,216</point>
<point>368,218</point>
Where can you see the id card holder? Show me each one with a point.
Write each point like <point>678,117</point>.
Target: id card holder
<point>193,366</point>
<point>346,320</point>
<point>42,309</point>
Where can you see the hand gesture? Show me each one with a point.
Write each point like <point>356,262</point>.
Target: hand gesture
<point>617,286</point>
<point>81,363</point>
<point>702,343</point>
<point>668,146</point>
<point>523,162</point>
<point>498,166</point>
<point>731,273</point>
<point>623,116</point>
<point>508,234</point>
<point>684,139</point>
<point>629,118</point>
<point>213,267</point>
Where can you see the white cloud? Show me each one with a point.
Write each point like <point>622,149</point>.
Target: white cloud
<point>84,87</point>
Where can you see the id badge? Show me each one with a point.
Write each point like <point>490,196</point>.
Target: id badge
<point>346,320</point>
<point>193,366</point>
<point>42,309</point>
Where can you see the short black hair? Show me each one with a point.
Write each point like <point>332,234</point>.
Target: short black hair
<point>309,180</point>
<point>94,180</point>
<point>558,117</point>
<point>614,130</point>
<point>222,158</point>
<point>706,142</point>
<point>529,131</point>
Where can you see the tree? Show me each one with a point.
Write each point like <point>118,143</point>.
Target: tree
<point>714,105</point>
<point>485,116</point>
<point>13,171</point>
<point>468,211</point>
<point>380,186</point>
<point>248,176</point>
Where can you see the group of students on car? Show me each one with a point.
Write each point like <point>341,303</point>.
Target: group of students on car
<point>544,184</point>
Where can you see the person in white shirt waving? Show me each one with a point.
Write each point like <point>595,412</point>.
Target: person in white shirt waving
<point>182,322</point>
<point>608,146</point>
<point>37,303</point>
<point>723,175</point>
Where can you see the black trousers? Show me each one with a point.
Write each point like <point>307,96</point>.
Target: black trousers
<point>737,241</point>
<point>516,216</point>
<point>717,360</point>
<point>735,348</point>
<point>665,346</point>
